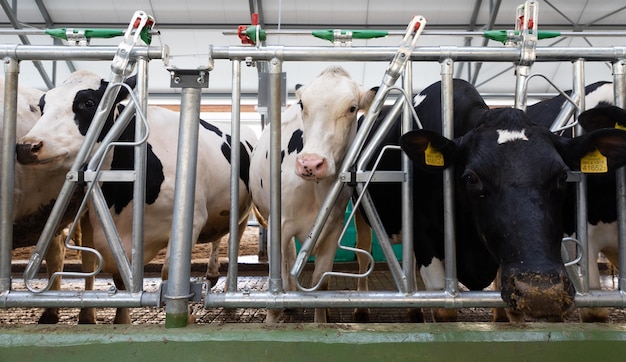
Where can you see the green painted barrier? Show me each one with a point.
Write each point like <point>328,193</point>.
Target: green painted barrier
<point>314,342</point>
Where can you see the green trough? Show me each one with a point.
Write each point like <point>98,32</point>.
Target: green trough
<point>314,342</point>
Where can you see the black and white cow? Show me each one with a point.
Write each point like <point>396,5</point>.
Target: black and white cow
<point>601,188</point>
<point>476,266</point>
<point>316,134</point>
<point>54,141</point>
<point>509,197</point>
<point>34,194</point>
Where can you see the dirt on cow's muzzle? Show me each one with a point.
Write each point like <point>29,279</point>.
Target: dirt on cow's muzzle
<point>541,296</point>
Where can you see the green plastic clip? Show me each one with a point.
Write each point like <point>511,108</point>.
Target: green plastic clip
<point>356,34</point>
<point>89,33</point>
<point>502,35</point>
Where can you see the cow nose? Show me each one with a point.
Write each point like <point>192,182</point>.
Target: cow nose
<point>311,167</point>
<point>27,152</point>
<point>546,296</point>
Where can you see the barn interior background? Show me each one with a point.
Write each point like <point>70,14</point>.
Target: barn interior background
<point>188,27</point>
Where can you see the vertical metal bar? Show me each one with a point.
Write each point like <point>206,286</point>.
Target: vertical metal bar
<point>7,178</point>
<point>178,288</point>
<point>139,187</point>
<point>521,72</point>
<point>274,109</point>
<point>408,260</point>
<point>235,164</point>
<point>581,187</point>
<point>619,83</point>
<point>447,117</point>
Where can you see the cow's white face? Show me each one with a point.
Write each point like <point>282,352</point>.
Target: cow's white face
<point>67,110</point>
<point>330,105</point>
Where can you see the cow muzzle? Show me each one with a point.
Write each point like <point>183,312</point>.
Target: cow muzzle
<point>27,153</point>
<point>311,167</point>
<point>548,296</point>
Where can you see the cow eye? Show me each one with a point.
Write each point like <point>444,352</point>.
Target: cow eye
<point>353,109</point>
<point>90,103</point>
<point>472,182</point>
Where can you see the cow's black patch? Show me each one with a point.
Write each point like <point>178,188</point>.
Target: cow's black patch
<point>42,103</point>
<point>244,156</point>
<point>296,142</point>
<point>119,194</point>
<point>86,103</point>
<point>212,128</point>
<point>282,156</point>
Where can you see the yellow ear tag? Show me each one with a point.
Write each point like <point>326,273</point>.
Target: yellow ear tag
<point>619,126</point>
<point>433,157</point>
<point>594,162</point>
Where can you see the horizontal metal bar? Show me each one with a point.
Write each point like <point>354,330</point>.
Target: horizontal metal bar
<point>349,299</point>
<point>379,176</point>
<point>82,299</point>
<point>461,33</point>
<point>105,175</point>
<point>428,53</point>
<point>374,299</point>
<point>56,52</point>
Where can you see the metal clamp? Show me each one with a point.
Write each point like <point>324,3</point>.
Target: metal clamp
<point>122,65</point>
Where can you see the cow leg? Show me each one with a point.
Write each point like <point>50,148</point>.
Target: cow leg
<point>89,260</point>
<point>288,253</point>
<point>54,262</point>
<point>122,315</point>
<point>433,277</point>
<point>363,242</point>
<point>324,259</point>
<point>213,267</point>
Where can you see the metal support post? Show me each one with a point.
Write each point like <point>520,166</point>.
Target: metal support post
<point>581,186</point>
<point>139,189</point>
<point>447,129</point>
<point>235,165</point>
<point>274,227</point>
<point>178,289</point>
<point>408,259</point>
<point>7,178</point>
<point>619,83</point>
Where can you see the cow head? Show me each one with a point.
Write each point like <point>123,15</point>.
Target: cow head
<point>329,107</point>
<point>67,112</point>
<point>511,179</point>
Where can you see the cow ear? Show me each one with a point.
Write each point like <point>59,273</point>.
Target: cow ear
<point>123,94</point>
<point>367,96</point>
<point>428,150</point>
<point>609,142</point>
<point>603,117</point>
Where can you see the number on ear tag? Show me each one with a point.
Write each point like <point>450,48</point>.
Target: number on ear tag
<point>433,157</point>
<point>594,162</point>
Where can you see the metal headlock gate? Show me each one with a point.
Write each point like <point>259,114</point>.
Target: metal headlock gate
<point>306,342</point>
<point>523,52</point>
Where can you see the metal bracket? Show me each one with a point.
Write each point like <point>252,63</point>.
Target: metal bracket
<point>195,291</point>
<point>189,78</point>
<point>76,37</point>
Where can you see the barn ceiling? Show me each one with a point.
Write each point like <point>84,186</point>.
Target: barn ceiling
<point>188,27</point>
